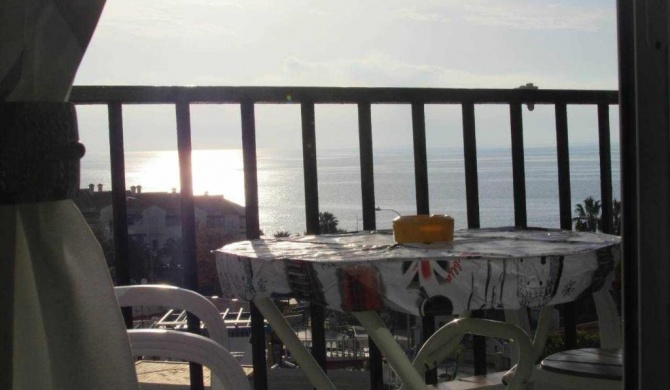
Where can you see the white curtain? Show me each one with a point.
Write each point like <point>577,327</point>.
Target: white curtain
<point>66,326</point>
<point>68,329</point>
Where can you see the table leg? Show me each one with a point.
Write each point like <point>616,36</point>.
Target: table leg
<point>539,338</point>
<point>542,330</point>
<point>283,329</point>
<point>390,349</point>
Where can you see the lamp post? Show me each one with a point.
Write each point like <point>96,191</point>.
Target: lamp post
<point>381,209</point>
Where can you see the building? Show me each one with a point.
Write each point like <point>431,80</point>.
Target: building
<point>155,217</point>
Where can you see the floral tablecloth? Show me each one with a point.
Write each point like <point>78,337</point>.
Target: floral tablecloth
<point>502,268</point>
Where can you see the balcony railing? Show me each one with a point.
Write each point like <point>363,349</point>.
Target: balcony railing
<point>115,97</point>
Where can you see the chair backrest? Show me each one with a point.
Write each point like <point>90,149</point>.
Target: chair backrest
<point>214,353</point>
<point>227,374</point>
<point>443,342</point>
<point>178,298</point>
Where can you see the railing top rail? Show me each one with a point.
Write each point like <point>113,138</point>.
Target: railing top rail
<point>333,95</point>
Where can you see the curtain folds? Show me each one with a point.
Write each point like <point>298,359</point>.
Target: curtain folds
<point>68,329</point>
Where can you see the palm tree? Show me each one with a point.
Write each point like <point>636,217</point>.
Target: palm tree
<point>328,223</point>
<point>588,216</point>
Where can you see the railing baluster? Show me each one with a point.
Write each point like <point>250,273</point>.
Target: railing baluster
<point>605,167</point>
<point>188,223</point>
<point>367,166</point>
<point>420,158</point>
<point>422,203</point>
<point>250,169</point>
<point>369,219</point>
<point>253,232</point>
<point>518,165</point>
<point>472,199</point>
<point>312,218</point>
<point>119,207</point>
<point>470,162</point>
<point>309,167</point>
<point>569,309</point>
<point>563,159</point>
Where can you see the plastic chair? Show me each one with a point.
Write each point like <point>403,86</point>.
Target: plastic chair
<point>587,368</point>
<point>443,342</point>
<point>212,353</point>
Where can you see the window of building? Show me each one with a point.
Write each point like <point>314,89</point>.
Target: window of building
<point>230,224</point>
<point>216,221</point>
<point>134,219</point>
<point>172,220</point>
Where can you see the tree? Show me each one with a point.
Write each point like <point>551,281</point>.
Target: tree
<point>328,223</point>
<point>171,256</point>
<point>140,258</point>
<point>106,242</point>
<point>589,219</point>
<point>588,216</point>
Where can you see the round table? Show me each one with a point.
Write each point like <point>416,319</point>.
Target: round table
<point>501,268</point>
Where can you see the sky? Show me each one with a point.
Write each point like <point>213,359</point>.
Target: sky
<point>557,44</point>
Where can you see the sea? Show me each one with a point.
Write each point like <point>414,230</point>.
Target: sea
<point>281,182</point>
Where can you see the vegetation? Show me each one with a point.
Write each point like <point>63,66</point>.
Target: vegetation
<point>165,264</point>
<point>556,342</point>
<point>589,217</point>
<point>206,241</point>
<point>282,233</point>
<point>143,264</point>
<point>328,223</point>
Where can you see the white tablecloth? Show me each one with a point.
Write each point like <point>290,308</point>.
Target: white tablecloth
<point>504,268</point>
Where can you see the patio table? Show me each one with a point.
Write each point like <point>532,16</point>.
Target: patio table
<point>363,272</point>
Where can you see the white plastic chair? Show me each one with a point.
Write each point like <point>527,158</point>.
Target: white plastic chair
<point>589,368</point>
<point>226,371</point>
<point>443,342</point>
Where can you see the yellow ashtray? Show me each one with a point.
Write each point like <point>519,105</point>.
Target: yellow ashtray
<point>423,228</point>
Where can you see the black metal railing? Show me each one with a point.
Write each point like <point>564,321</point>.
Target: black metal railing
<point>247,97</point>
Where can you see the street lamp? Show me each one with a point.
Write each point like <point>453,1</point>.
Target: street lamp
<point>381,209</point>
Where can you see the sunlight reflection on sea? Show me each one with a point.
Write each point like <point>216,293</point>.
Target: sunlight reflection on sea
<point>281,183</point>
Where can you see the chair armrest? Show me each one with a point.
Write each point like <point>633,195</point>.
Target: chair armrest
<point>178,298</point>
<point>434,351</point>
<point>193,348</point>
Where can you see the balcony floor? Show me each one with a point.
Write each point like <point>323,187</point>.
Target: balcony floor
<point>162,375</point>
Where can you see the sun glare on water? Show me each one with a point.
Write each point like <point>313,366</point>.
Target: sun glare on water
<point>216,172</point>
